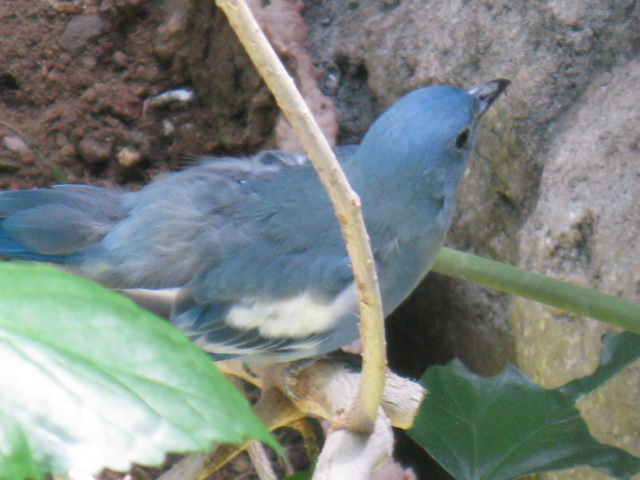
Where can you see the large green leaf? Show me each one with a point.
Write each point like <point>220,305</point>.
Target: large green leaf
<point>506,426</point>
<point>95,381</point>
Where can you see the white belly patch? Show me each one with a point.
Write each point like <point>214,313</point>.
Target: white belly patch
<point>294,317</point>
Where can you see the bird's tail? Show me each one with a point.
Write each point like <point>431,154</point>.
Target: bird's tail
<point>53,225</point>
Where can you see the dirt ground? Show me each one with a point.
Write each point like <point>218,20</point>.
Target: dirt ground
<point>77,87</point>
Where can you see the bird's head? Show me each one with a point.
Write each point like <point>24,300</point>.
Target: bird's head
<point>428,130</point>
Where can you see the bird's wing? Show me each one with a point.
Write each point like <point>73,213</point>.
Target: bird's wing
<point>252,244</point>
<point>219,226</point>
<point>51,224</point>
<point>266,275</point>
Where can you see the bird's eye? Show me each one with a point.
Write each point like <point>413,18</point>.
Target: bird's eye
<point>462,139</point>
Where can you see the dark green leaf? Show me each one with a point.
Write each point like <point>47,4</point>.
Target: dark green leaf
<point>505,427</point>
<point>617,352</point>
<point>95,381</point>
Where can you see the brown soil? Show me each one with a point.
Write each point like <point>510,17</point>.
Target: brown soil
<point>76,79</point>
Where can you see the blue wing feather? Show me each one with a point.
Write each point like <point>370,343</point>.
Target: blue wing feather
<point>52,224</point>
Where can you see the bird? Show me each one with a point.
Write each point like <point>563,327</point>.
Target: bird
<point>250,248</point>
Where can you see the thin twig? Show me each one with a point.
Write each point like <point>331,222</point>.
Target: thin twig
<point>346,203</point>
<point>261,462</point>
<point>274,409</point>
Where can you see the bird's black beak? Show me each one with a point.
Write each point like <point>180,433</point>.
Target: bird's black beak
<point>487,93</point>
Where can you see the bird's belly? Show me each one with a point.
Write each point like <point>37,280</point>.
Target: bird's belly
<point>400,271</point>
<point>294,317</point>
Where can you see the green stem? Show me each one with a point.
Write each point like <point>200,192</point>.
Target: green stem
<point>563,295</point>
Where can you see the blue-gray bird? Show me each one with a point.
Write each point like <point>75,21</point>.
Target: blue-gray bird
<point>252,246</point>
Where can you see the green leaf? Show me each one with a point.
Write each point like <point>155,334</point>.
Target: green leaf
<point>95,381</point>
<point>506,426</point>
<point>16,458</point>
<point>617,352</point>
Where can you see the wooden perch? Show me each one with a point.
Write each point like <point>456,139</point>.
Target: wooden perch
<point>325,388</point>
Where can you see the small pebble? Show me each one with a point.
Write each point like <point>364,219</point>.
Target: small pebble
<point>80,31</point>
<point>89,62</point>
<point>168,128</point>
<point>127,157</point>
<point>15,144</point>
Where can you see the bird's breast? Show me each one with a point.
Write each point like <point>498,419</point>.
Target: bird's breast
<point>405,261</point>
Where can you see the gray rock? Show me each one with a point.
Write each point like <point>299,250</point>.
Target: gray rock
<point>553,187</point>
<point>585,229</point>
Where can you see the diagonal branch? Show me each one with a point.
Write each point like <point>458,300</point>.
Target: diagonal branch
<point>345,202</point>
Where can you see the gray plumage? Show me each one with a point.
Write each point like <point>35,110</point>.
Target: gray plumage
<point>252,245</point>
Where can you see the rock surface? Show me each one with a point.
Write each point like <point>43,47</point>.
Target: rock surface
<point>584,229</point>
<point>553,188</point>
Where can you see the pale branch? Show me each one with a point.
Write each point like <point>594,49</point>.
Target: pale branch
<point>352,455</point>
<point>187,468</point>
<point>322,389</point>
<point>346,204</point>
<point>261,462</point>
